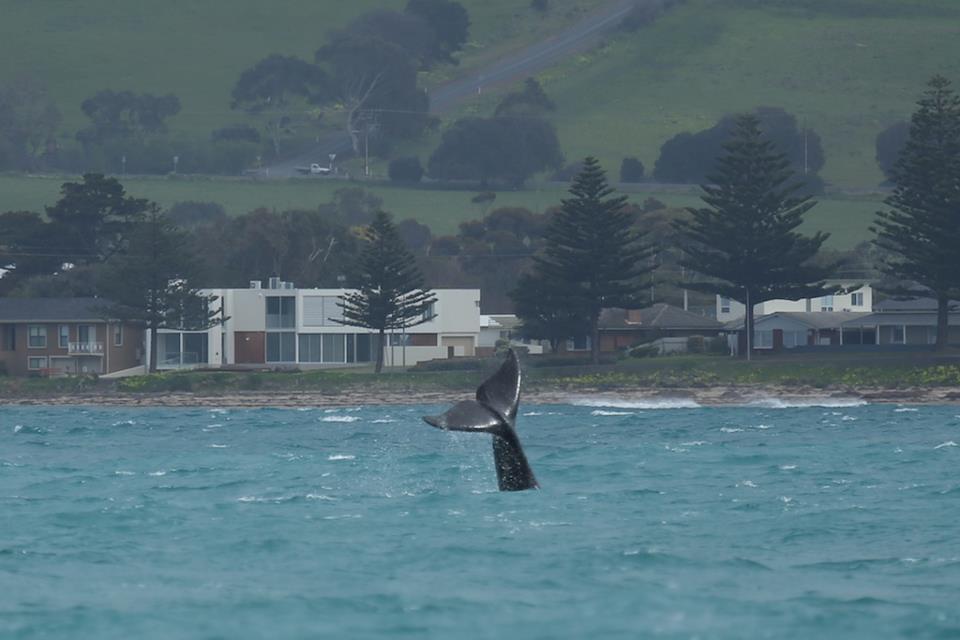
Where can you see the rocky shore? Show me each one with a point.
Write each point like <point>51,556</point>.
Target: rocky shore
<point>726,395</point>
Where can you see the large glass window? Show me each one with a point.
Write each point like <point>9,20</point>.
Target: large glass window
<point>333,347</point>
<point>282,347</point>
<point>309,347</point>
<point>856,299</point>
<point>365,347</point>
<point>897,334</point>
<point>762,339</point>
<point>579,343</point>
<point>85,334</point>
<point>37,336</point>
<point>64,336</point>
<point>281,312</point>
<point>195,348</point>
<point>168,348</point>
<point>826,303</point>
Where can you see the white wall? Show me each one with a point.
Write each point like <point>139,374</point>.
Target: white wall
<point>841,302</point>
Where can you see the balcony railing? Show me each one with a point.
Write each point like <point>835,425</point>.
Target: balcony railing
<point>85,348</point>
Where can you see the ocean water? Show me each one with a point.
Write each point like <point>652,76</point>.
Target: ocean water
<point>662,520</point>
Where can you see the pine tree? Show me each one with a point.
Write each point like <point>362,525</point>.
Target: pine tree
<point>746,236</point>
<point>594,257</point>
<point>390,294</point>
<point>922,228</point>
<point>150,282</point>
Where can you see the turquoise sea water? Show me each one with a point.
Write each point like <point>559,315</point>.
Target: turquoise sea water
<point>653,521</point>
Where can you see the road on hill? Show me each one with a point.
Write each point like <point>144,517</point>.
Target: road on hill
<point>521,64</point>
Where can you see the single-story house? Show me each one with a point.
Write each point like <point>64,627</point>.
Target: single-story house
<point>622,328</point>
<point>55,336</point>
<point>789,330</point>
<point>906,322</point>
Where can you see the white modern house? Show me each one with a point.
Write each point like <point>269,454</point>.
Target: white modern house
<point>283,326</point>
<point>502,326</point>
<point>857,301</point>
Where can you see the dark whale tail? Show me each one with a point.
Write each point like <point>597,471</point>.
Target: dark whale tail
<point>495,412</point>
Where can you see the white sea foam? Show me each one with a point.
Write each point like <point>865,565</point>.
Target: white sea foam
<point>794,403</point>
<point>747,483</point>
<point>320,496</point>
<point>382,420</point>
<point>341,456</point>
<point>651,403</point>
<point>124,422</point>
<point>906,410</point>
<point>339,419</point>
<point>157,473</point>
<point>218,446</point>
<point>948,443</point>
<point>731,429</point>
<point>694,443</point>
<point>788,467</point>
<point>217,410</point>
<point>124,473</point>
<point>17,428</point>
<point>763,427</point>
<point>603,412</point>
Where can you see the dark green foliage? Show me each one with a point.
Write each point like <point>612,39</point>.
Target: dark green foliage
<point>28,124</point>
<point>890,144</point>
<point>90,220</point>
<point>545,311</point>
<point>409,32</point>
<point>746,238</point>
<point>275,87</point>
<point>691,157</point>
<point>631,170</point>
<point>921,230</point>
<point>406,169</point>
<point>236,133</point>
<point>531,101</point>
<point>416,237</point>
<point>189,214</point>
<point>124,115</point>
<point>24,249</point>
<point>503,149</point>
<point>594,257</point>
<point>151,281</point>
<point>449,22</point>
<point>390,290</point>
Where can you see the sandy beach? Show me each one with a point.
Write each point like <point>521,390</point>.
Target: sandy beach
<point>728,395</point>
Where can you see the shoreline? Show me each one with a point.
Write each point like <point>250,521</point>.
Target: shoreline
<point>716,396</point>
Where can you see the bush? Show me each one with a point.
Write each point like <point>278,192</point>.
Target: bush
<point>890,143</point>
<point>631,170</point>
<point>236,133</point>
<point>643,351</point>
<point>696,344</point>
<point>405,170</point>
<point>718,345</point>
<point>449,364</point>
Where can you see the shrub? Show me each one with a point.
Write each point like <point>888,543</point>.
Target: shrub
<point>695,344</point>
<point>405,170</point>
<point>450,364</point>
<point>643,351</point>
<point>631,170</point>
<point>236,133</point>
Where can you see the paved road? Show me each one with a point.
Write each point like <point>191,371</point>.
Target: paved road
<point>521,64</point>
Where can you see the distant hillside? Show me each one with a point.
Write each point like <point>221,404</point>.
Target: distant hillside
<point>847,68</point>
<point>196,50</point>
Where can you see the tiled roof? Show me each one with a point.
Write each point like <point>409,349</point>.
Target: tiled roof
<point>658,316</point>
<point>813,319</point>
<point>52,309</point>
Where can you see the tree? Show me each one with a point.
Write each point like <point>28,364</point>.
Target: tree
<point>531,101</point>
<point>631,170</point>
<point>410,32</point>
<point>545,315</point>
<point>122,115</point>
<point>510,149</point>
<point>91,218</point>
<point>746,235</point>
<point>890,144</point>
<point>407,169</point>
<point>449,21</point>
<point>390,293</point>
<point>922,227</point>
<point>150,283</point>
<point>691,157</point>
<point>28,123</point>
<point>594,257</point>
<point>278,88</point>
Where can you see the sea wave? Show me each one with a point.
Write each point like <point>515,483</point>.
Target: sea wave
<point>794,403</point>
<point>651,403</point>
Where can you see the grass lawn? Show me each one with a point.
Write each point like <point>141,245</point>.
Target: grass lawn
<point>845,74</point>
<point>846,219</point>
<point>197,50</point>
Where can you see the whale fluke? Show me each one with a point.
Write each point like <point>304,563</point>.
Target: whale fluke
<point>495,412</point>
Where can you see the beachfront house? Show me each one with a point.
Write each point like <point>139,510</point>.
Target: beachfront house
<point>857,301</point>
<point>281,325</point>
<point>502,326</point>
<point>905,323</point>
<point>793,330</point>
<point>58,336</point>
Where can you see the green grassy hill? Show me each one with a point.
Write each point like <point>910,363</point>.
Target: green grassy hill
<point>197,50</point>
<point>847,68</point>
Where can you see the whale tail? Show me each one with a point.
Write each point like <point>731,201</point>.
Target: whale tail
<point>495,412</point>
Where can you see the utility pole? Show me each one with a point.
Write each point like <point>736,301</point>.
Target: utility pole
<point>747,318</point>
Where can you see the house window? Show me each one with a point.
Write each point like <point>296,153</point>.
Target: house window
<point>35,363</point>
<point>762,339</point>
<point>10,337</point>
<point>724,304</point>
<point>399,339</point>
<point>897,334</point>
<point>118,335</point>
<point>282,347</point>
<point>578,343</point>
<point>856,299</point>
<point>826,303</point>
<point>430,312</point>
<point>37,337</point>
<point>196,348</point>
<point>85,334</point>
<point>281,312</point>
<point>64,336</point>
<point>793,339</point>
<point>333,347</point>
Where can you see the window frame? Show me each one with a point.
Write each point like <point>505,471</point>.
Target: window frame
<point>42,359</point>
<point>41,333</point>
<point>118,335</point>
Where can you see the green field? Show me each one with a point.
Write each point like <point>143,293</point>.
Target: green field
<point>197,50</point>
<point>846,219</point>
<point>847,68</point>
